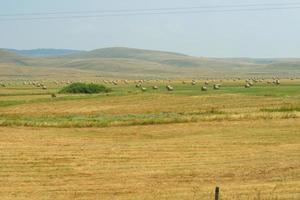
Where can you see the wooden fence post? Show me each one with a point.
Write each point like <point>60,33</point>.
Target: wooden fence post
<point>217,193</point>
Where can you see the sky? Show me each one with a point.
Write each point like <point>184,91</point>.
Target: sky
<point>268,33</point>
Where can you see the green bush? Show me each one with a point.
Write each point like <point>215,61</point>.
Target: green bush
<point>85,88</point>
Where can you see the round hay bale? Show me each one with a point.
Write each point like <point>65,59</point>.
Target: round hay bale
<point>143,89</point>
<point>154,87</point>
<point>169,88</point>
<point>203,88</point>
<point>247,85</point>
<point>216,86</point>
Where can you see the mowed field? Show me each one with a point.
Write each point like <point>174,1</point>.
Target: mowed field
<point>157,144</point>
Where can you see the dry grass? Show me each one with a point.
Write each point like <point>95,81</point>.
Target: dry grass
<point>196,142</point>
<point>183,161</point>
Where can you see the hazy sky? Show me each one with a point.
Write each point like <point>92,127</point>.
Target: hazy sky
<point>271,33</point>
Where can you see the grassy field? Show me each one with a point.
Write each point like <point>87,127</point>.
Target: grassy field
<point>157,144</point>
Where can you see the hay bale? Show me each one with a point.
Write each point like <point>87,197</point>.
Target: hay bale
<point>169,88</point>
<point>154,87</point>
<point>217,86</point>
<point>53,95</point>
<point>143,89</point>
<point>247,85</point>
<point>203,88</point>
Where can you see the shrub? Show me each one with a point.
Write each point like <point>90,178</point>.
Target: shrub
<point>85,88</point>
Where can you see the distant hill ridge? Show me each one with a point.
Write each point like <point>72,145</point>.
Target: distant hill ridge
<point>43,52</point>
<point>130,62</point>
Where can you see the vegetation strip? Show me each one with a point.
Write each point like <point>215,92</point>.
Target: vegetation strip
<point>132,119</point>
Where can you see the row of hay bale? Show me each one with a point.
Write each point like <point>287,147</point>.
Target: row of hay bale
<point>215,87</point>
<point>42,84</point>
<point>154,87</point>
<point>194,82</point>
<point>171,88</point>
<point>140,82</point>
<point>117,82</point>
<point>36,84</point>
<point>250,82</point>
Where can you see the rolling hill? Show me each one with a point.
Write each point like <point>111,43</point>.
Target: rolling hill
<point>139,63</point>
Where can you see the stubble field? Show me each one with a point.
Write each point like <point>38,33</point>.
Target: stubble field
<point>156,144</point>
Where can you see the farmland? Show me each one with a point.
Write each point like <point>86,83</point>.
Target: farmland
<point>156,144</point>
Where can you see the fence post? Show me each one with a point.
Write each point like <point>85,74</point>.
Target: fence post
<point>217,193</point>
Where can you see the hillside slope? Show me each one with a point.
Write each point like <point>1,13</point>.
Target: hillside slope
<point>138,63</point>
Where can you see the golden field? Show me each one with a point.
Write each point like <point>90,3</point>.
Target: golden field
<point>129,144</point>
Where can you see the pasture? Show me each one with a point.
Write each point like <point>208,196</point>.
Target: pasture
<point>151,144</point>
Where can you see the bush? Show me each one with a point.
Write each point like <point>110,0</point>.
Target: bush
<point>85,88</point>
